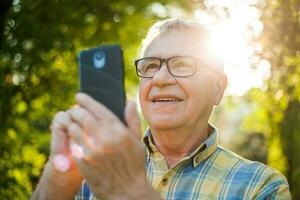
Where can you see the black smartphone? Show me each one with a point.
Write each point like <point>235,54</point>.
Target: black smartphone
<point>101,75</point>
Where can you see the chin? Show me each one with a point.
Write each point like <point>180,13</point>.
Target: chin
<point>164,123</point>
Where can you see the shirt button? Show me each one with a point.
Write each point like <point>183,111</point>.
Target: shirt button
<point>165,181</point>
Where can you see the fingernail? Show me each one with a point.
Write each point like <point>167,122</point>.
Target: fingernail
<point>79,96</point>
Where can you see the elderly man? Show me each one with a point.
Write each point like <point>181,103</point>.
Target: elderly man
<point>179,156</point>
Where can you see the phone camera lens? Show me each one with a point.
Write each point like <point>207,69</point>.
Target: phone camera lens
<point>99,55</point>
<point>99,59</point>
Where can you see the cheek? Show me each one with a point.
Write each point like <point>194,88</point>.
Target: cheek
<point>191,88</point>
<point>199,92</point>
<point>144,89</point>
<point>205,95</point>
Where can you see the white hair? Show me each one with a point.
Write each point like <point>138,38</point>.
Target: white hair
<point>160,28</point>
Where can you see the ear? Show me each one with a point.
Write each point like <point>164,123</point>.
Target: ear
<point>221,86</point>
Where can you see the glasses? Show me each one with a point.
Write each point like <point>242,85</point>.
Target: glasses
<point>178,66</point>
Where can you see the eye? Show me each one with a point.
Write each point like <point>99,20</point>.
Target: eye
<point>182,66</point>
<point>148,66</point>
<point>151,66</point>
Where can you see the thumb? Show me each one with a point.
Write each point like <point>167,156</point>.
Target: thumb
<point>132,119</point>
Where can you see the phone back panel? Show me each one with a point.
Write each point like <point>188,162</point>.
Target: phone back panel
<point>101,73</point>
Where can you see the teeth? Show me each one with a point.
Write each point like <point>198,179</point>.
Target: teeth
<point>165,99</point>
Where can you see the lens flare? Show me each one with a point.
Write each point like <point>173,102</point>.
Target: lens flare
<point>76,151</point>
<point>234,38</point>
<point>61,163</point>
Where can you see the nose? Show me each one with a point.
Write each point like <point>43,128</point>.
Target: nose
<point>163,77</point>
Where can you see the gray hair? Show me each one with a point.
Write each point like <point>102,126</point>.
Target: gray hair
<point>160,28</point>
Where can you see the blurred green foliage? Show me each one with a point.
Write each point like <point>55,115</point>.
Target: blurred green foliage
<point>277,109</point>
<point>38,71</point>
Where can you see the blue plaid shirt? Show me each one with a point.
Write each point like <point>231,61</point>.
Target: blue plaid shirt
<point>210,172</point>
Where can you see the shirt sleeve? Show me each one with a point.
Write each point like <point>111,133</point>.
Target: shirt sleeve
<point>276,187</point>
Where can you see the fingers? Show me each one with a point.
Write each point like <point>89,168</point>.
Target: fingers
<point>83,118</point>
<point>60,121</point>
<point>80,143</point>
<point>59,143</point>
<point>92,125</point>
<point>96,108</point>
<point>88,125</point>
<point>132,119</point>
<point>77,134</point>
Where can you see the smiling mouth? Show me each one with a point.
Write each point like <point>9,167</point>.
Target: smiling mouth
<point>165,100</point>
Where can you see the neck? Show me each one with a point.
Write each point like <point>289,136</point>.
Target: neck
<point>177,143</point>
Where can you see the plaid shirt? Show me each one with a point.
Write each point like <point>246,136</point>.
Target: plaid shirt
<point>210,172</point>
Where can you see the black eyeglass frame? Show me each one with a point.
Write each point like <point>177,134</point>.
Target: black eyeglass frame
<point>166,60</point>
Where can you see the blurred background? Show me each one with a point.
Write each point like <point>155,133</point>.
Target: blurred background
<point>259,118</point>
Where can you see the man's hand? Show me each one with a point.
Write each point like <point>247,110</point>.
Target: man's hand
<point>60,143</point>
<point>113,155</point>
<point>61,177</point>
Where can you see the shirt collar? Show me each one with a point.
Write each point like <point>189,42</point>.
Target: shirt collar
<point>203,151</point>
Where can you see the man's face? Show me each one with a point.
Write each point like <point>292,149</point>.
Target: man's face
<point>169,102</point>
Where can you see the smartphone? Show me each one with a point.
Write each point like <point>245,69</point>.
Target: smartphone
<point>101,75</point>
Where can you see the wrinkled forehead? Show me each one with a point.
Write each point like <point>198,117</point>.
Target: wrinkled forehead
<point>184,43</point>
